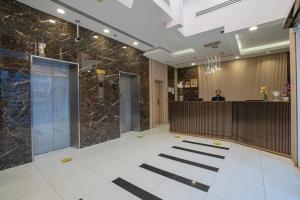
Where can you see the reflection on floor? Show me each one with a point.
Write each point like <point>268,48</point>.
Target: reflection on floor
<point>157,166</point>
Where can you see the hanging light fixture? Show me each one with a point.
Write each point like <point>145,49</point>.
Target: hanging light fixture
<point>213,65</point>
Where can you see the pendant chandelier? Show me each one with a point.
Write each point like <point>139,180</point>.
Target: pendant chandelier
<point>213,65</point>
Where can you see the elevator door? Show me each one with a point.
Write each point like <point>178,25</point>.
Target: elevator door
<point>50,105</point>
<point>129,103</point>
<point>125,110</point>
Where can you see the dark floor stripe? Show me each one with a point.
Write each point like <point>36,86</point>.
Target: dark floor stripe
<point>175,177</point>
<point>207,145</point>
<point>142,194</point>
<point>190,162</point>
<point>199,152</point>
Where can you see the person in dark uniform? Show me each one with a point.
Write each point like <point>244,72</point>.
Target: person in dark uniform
<point>218,96</point>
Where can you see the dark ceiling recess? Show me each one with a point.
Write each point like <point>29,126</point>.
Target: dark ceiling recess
<point>99,21</point>
<point>217,7</point>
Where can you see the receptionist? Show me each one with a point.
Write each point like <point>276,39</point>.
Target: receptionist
<point>218,96</point>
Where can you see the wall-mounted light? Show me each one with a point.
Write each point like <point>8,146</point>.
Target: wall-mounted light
<point>61,11</point>
<point>135,43</point>
<point>237,57</point>
<point>96,36</point>
<point>253,28</point>
<point>193,64</point>
<point>52,21</point>
<point>124,47</point>
<point>106,31</point>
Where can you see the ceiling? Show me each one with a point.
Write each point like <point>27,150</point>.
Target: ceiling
<point>171,32</point>
<point>266,35</point>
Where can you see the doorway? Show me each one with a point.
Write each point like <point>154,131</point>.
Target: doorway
<point>54,102</point>
<point>158,103</point>
<point>129,102</point>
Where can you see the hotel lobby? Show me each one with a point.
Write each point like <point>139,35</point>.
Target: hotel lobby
<point>149,99</point>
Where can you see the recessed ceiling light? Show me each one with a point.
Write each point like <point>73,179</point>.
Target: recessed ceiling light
<point>135,43</point>
<point>193,64</point>
<point>96,36</point>
<point>237,57</point>
<point>52,21</point>
<point>253,28</point>
<point>60,11</point>
<point>106,31</point>
<point>182,52</point>
<point>124,47</point>
<point>267,52</point>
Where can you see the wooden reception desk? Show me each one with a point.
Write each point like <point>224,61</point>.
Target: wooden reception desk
<point>265,125</point>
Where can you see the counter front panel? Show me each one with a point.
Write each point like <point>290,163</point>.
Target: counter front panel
<point>265,125</point>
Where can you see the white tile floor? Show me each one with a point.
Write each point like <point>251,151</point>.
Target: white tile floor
<point>245,173</point>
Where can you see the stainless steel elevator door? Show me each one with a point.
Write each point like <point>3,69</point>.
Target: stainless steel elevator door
<point>41,98</point>
<point>129,103</point>
<point>50,105</point>
<point>61,112</point>
<point>135,103</point>
<point>125,110</point>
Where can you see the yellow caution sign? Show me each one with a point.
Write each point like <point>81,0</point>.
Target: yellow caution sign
<point>216,142</point>
<point>140,136</point>
<point>65,160</point>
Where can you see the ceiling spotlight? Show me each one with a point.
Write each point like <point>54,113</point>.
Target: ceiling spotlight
<point>267,52</point>
<point>96,36</point>
<point>253,28</point>
<point>135,43</point>
<point>106,31</point>
<point>193,64</point>
<point>60,11</point>
<point>124,47</point>
<point>237,57</point>
<point>52,21</point>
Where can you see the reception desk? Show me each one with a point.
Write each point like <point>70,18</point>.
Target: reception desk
<point>264,125</point>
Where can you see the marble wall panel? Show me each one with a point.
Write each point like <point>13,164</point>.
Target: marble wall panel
<point>22,28</point>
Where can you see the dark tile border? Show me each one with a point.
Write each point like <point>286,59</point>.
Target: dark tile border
<point>214,169</point>
<point>199,152</point>
<point>207,145</point>
<point>133,189</point>
<point>175,177</point>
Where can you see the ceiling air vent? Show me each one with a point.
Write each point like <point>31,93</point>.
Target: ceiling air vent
<point>217,7</point>
<point>213,45</point>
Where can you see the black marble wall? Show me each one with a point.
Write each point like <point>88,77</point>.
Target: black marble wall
<point>21,29</point>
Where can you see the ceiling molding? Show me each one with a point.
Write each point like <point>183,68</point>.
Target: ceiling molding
<point>262,48</point>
